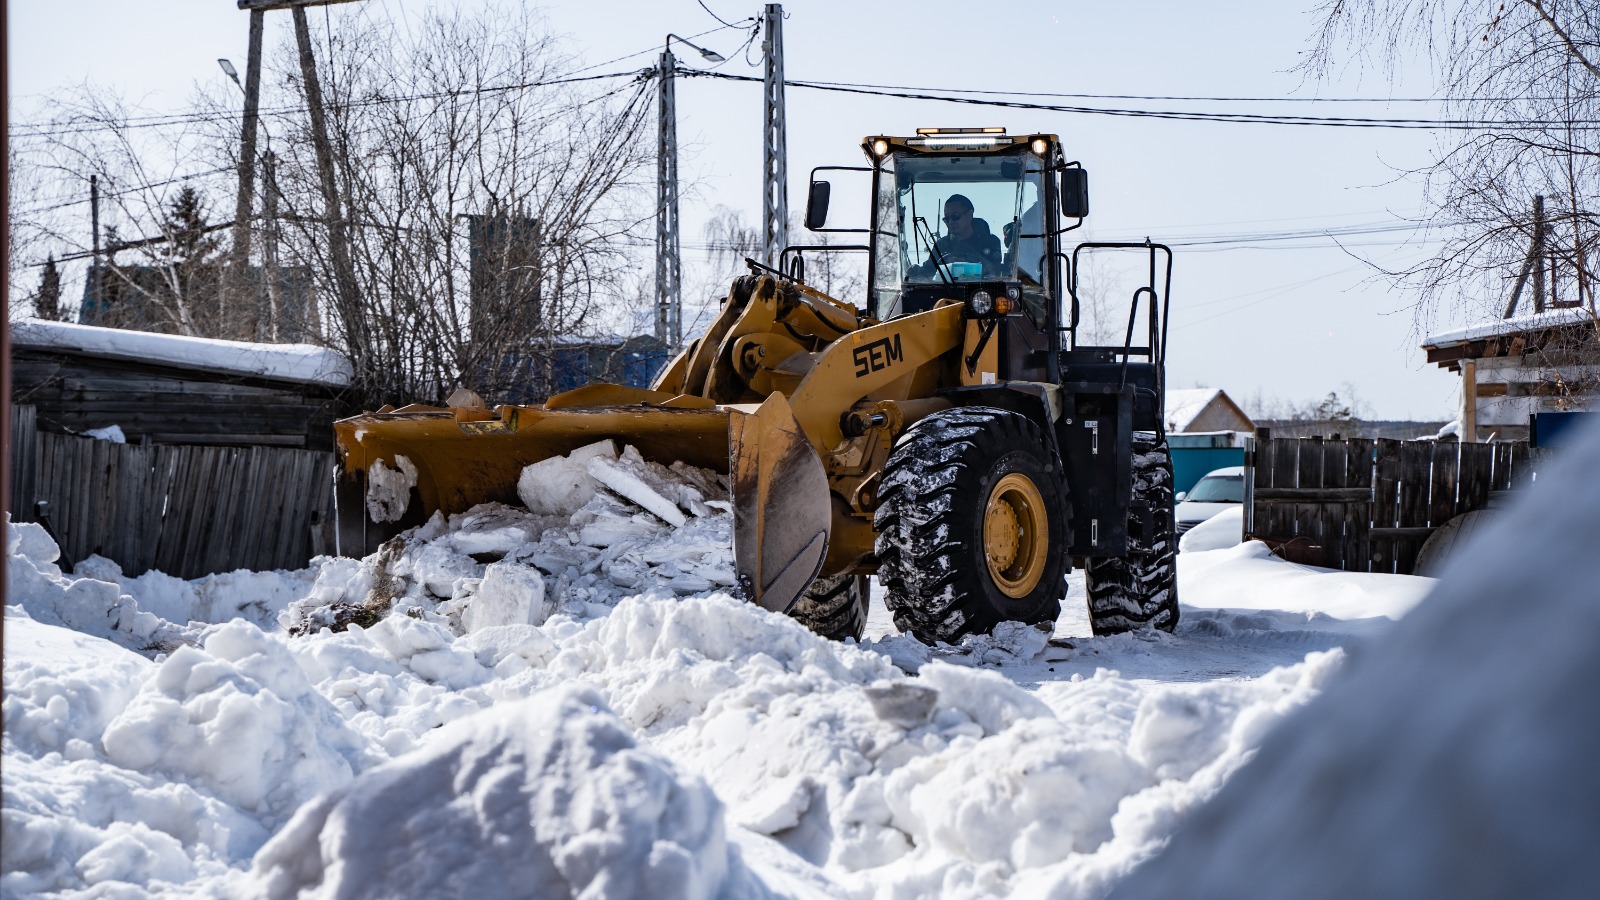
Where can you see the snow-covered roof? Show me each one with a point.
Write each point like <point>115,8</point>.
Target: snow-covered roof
<point>1185,404</point>
<point>283,362</point>
<point>1550,318</point>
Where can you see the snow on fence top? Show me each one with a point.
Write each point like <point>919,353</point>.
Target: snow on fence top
<point>282,362</point>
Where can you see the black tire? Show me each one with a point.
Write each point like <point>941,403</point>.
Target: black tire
<point>948,486</point>
<point>834,607</point>
<point>1140,590</point>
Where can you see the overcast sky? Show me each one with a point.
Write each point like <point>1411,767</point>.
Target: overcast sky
<point>1287,319</point>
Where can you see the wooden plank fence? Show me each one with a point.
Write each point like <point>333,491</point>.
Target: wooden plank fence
<point>1367,506</point>
<point>184,510</point>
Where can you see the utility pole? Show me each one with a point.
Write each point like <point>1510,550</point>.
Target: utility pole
<point>669,299</point>
<point>1533,264</point>
<point>269,250</point>
<point>239,264</point>
<point>338,240</point>
<point>775,144</point>
<point>94,259</point>
<point>350,313</point>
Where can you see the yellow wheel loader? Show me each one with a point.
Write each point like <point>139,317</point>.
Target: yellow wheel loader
<point>952,437</point>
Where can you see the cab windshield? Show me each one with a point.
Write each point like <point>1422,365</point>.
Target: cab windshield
<point>954,218</point>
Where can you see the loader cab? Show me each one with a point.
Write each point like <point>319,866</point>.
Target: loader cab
<point>959,213</point>
<point>955,212</point>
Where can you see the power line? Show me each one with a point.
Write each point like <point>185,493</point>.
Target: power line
<point>1175,115</point>
<point>128,190</point>
<point>725,22</point>
<point>50,129</point>
<point>1173,97</point>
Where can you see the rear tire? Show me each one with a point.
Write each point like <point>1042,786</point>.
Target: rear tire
<point>971,525</point>
<point>834,607</point>
<point>1140,590</point>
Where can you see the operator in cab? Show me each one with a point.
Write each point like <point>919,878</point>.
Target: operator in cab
<point>967,240</point>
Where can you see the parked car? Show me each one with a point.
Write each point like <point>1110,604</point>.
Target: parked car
<point>1220,489</point>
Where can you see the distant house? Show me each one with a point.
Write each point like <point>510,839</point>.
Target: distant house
<point>529,378</point>
<point>1204,409</point>
<point>133,297</point>
<point>1516,367</point>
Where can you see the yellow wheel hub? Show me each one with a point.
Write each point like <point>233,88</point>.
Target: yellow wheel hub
<point>1016,535</point>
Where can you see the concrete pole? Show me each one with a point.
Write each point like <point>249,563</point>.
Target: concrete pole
<point>775,144</point>
<point>239,262</point>
<point>669,288</point>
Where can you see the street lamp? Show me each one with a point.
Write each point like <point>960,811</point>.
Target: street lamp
<point>709,55</point>
<point>230,71</point>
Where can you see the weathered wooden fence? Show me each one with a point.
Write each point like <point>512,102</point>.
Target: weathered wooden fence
<point>1368,505</point>
<point>184,510</point>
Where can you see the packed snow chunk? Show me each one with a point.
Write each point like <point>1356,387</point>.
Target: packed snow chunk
<point>30,541</point>
<point>496,644</point>
<point>509,594</point>
<point>112,433</point>
<point>240,719</point>
<point>982,697</point>
<point>389,490</point>
<point>630,478</point>
<point>549,797</point>
<point>494,530</point>
<point>561,485</point>
<point>90,605</point>
<point>429,650</point>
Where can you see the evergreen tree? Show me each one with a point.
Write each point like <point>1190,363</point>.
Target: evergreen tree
<point>188,241</point>
<point>47,304</point>
<point>193,255</point>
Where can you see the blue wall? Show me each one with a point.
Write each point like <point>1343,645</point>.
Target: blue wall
<point>1195,455</point>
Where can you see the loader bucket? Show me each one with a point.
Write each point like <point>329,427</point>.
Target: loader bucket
<point>398,468</point>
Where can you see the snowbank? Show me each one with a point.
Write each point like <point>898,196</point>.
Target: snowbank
<point>568,695</point>
<point>1469,734</point>
<point>550,795</point>
<point>1258,580</point>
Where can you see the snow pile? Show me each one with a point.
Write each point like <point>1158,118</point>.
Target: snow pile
<point>598,526</point>
<point>1221,531</point>
<point>562,695</point>
<point>90,605</point>
<point>1470,734</point>
<point>1268,579</point>
<point>551,791</point>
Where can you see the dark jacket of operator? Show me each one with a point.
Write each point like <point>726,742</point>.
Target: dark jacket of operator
<point>980,247</point>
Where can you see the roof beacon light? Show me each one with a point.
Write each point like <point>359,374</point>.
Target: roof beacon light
<point>990,130</point>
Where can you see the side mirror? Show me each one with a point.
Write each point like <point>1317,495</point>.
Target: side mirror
<point>1074,193</point>
<point>817,205</point>
<point>1178,497</point>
